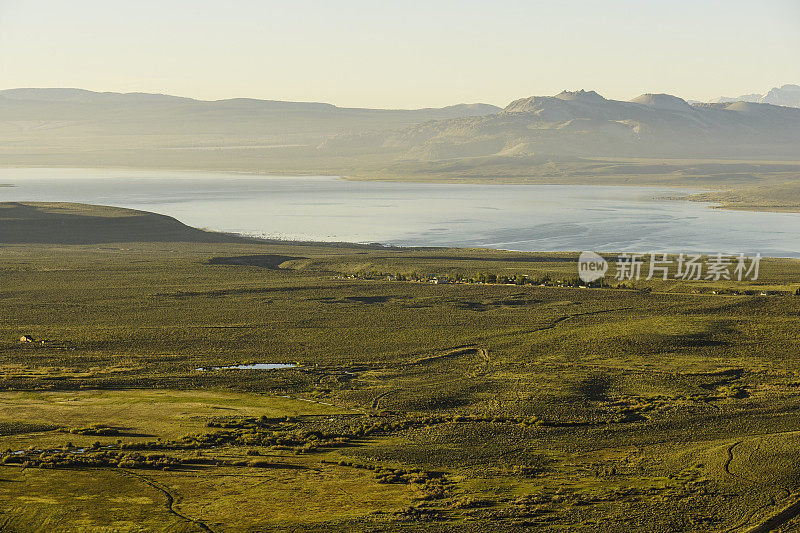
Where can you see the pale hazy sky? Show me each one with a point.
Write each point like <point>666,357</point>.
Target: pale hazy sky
<point>383,53</point>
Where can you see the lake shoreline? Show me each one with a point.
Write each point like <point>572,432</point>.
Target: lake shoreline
<point>600,181</point>
<point>338,209</point>
<point>716,195</point>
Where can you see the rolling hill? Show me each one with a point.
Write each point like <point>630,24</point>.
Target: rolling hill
<point>141,113</point>
<point>69,223</point>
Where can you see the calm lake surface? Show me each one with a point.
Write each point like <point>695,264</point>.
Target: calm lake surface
<point>514,217</point>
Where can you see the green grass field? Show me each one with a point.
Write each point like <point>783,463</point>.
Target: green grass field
<point>414,406</point>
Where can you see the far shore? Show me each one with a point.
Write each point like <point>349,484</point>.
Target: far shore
<point>770,197</point>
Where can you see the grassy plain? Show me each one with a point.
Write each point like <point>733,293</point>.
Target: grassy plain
<point>415,406</point>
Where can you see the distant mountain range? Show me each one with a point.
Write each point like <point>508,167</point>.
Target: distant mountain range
<point>164,114</point>
<point>583,123</point>
<point>786,95</point>
<point>77,127</point>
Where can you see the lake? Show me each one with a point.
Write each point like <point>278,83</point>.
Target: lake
<point>513,217</point>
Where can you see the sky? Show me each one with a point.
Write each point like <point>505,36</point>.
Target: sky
<point>401,54</point>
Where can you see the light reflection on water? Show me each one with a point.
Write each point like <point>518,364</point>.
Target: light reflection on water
<point>255,366</point>
<point>514,217</point>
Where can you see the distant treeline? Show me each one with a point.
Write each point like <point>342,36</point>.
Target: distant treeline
<point>484,278</point>
<point>546,280</point>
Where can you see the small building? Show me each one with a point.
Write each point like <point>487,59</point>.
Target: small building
<point>26,338</point>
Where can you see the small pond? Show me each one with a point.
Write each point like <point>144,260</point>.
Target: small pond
<point>256,366</point>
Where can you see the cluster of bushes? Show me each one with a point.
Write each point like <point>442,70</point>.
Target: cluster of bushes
<point>273,433</point>
<point>643,404</point>
<point>97,457</point>
<point>416,514</point>
<point>95,430</point>
<point>529,506</point>
<point>632,408</point>
<point>298,440</point>
<point>469,502</point>
<point>722,392</point>
<point>500,419</point>
<point>366,429</point>
<point>528,471</point>
<point>386,474</point>
<point>400,475</point>
<point>410,423</point>
<point>108,458</point>
<point>432,485</point>
<point>527,421</point>
<point>732,391</point>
